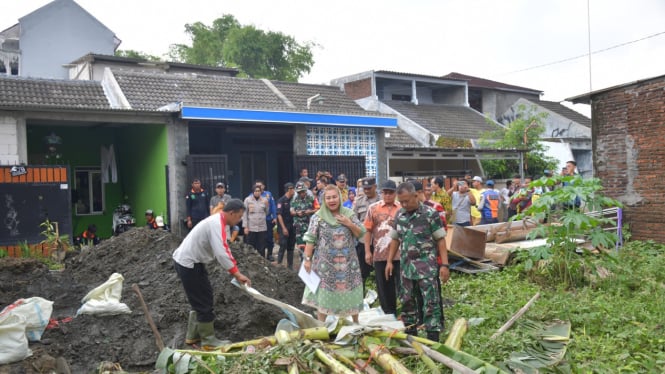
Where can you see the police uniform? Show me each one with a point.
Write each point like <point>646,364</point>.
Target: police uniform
<point>360,208</point>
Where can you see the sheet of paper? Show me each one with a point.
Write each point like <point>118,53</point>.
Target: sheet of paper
<point>311,279</point>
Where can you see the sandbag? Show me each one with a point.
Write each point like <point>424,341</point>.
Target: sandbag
<point>13,342</point>
<point>105,299</point>
<point>36,311</point>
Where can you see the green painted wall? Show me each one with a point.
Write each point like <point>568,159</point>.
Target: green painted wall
<point>141,153</point>
<point>144,155</point>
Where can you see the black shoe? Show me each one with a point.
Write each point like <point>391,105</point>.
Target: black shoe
<point>271,259</point>
<point>433,336</point>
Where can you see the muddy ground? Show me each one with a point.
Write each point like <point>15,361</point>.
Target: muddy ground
<point>143,257</point>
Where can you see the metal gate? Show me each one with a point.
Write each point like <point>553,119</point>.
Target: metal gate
<point>352,166</point>
<point>210,169</point>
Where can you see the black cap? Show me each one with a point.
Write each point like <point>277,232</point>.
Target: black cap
<point>220,184</point>
<point>417,185</point>
<point>233,205</point>
<point>341,178</point>
<point>389,185</point>
<point>288,185</point>
<point>368,182</point>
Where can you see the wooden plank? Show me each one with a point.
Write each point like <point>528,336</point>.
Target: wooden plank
<point>51,176</point>
<point>7,177</point>
<point>30,176</point>
<point>63,174</point>
<point>43,175</point>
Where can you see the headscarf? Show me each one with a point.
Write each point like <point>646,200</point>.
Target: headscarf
<point>325,214</point>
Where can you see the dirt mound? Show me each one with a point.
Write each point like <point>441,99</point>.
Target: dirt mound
<point>143,257</point>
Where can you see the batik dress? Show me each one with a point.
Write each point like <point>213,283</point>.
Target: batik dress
<point>335,261</point>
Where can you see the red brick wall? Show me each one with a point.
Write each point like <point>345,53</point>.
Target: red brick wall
<point>358,89</point>
<point>629,153</point>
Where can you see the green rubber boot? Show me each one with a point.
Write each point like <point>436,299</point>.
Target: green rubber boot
<point>192,336</point>
<point>208,340</point>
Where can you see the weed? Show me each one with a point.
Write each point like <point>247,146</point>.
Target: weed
<point>562,260</point>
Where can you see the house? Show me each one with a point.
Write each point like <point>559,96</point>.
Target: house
<point>437,128</point>
<point>628,125</point>
<point>44,41</point>
<point>143,131</point>
<point>567,134</point>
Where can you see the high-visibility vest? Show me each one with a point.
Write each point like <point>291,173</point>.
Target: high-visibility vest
<point>490,208</point>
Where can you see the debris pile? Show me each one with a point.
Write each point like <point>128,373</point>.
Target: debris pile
<point>142,257</point>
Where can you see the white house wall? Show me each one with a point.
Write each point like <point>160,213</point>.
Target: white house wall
<point>58,34</point>
<point>13,144</point>
<point>556,125</point>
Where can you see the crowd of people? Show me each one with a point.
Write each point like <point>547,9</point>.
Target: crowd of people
<point>344,234</point>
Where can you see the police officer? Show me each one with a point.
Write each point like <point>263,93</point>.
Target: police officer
<point>360,207</point>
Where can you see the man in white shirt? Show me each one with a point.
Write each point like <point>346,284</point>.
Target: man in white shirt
<point>207,242</point>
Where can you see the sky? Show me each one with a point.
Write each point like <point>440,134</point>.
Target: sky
<point>538,44</point>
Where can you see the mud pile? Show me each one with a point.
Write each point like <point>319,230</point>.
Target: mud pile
<point>143,257</point>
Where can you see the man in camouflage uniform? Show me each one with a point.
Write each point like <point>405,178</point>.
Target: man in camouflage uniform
<point>360,207</point>
<point>302,208</point>
<point>419,230</point>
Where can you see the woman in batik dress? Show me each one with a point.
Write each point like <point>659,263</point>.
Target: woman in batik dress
<point>330,251</point>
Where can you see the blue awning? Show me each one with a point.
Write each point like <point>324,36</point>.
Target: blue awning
<point>245,115</point>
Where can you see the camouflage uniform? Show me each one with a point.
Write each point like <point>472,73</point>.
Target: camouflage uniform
<point>419,232</point>
<point>301,223</point>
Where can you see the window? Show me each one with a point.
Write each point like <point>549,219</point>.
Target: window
<point>89,197</point>
<point>398,97</point>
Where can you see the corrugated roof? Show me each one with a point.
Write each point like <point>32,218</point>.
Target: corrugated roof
<point>449,121</point>
<point>51,93</point>
<point>486,83</point>
<point>565,112</point>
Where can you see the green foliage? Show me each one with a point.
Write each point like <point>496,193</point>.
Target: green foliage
<point>616,324</point>
<point>255,52</point>
<point>530,122</point>
<point>26,252</point>
<point>562,260</point>
<point>130,53</point>
<point>3,253</point>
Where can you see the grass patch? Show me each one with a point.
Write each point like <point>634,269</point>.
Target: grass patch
<point>618,322</point>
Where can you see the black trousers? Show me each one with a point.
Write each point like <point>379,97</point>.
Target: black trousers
<point>270,241</point>
<point>287,244</point>
<point>198,290</point>
<point>387,289</point>
<point>365,269</point>
<point>257,239</point>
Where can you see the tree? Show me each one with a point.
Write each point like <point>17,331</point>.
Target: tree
<point>529,123</point>
<point>255,52</point>
<point>130,53</point>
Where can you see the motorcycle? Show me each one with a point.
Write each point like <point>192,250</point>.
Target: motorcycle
<point>123,219</point>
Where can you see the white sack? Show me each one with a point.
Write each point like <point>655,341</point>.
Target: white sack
<point>105,299</point>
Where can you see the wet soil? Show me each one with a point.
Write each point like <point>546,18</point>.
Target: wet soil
<point>142,257</point>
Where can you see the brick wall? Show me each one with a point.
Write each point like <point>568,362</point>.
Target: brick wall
<point>358,89</point>
<point>629,153</point>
